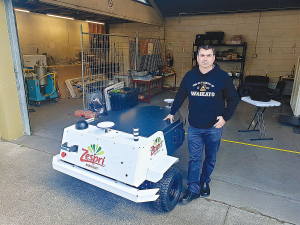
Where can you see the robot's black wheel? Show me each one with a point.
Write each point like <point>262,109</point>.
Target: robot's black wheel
<point>170,187</point>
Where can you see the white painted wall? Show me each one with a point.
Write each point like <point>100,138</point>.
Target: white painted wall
<point>59,38</point>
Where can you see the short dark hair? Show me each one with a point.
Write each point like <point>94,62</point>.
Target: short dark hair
<point>207,47</point>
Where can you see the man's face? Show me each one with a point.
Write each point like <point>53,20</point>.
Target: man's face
<point>205,58</point>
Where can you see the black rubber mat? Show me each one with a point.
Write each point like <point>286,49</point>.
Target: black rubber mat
<point>289,120</point>
<point>296,129</point>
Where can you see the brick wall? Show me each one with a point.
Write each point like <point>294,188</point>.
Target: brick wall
<point>273,36</point>
<point>144,30</point>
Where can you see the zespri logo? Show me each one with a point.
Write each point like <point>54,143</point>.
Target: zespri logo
<point>92,155</point>
<point>157,144</point>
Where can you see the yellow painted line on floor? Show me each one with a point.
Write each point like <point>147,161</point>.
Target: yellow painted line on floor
<point>260,146</point>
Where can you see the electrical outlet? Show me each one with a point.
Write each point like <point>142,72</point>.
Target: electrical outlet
<point>254,55</point>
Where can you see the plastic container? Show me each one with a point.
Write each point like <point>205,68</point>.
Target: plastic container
<point>215,36</point>
<point>124,100</point>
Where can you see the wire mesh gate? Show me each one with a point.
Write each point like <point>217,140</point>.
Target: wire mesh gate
<point>109,59</point>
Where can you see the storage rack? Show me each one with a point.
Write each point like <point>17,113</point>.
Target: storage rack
<point>241,61</point>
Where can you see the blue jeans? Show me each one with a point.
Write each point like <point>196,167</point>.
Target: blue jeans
<point>197,140</point>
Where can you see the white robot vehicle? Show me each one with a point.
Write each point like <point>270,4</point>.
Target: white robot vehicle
<point>127,153</point>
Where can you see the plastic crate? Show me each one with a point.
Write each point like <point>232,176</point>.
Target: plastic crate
<point>120,101</point>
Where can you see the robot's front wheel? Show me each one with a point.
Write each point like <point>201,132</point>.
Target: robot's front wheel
<point>38,104</point>
<point>170,187</point>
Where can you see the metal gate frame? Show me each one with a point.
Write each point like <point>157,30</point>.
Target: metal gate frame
<point>108,59</point>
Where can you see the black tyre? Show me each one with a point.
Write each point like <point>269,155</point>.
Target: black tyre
<point>170,187</point>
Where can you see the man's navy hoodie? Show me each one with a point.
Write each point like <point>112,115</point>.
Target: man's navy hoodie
<point>207,94</point>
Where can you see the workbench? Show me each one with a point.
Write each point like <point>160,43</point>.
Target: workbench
<point>154,80</point>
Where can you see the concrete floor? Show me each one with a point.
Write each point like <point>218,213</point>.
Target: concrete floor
<point>250,184</point>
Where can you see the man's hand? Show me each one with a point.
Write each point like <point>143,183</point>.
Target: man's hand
<point>221,122</point>
<point>170,117</point>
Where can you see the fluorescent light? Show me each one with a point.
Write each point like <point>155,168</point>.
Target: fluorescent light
<point>63,17</point>
<point>22,10</point>
<point>88,21</point>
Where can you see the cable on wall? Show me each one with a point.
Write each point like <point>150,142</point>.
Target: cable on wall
<point>257,33</point>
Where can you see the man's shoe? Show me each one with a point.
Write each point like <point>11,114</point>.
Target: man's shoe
<point>204,190</point>
<point>188,197</point>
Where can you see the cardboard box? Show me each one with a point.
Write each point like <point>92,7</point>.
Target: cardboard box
<point>234,56</point>
<point>225,53</point>
<point>237,36</point>
<point>236,40</point>
<point>229,57</point>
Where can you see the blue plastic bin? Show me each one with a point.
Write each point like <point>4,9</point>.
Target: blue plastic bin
<point>126,100</point>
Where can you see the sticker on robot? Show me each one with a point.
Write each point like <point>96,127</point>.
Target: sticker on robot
<point>156,146</point>
<point>94,156</point>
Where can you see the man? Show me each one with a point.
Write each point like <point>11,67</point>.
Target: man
<point>207,87</point>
